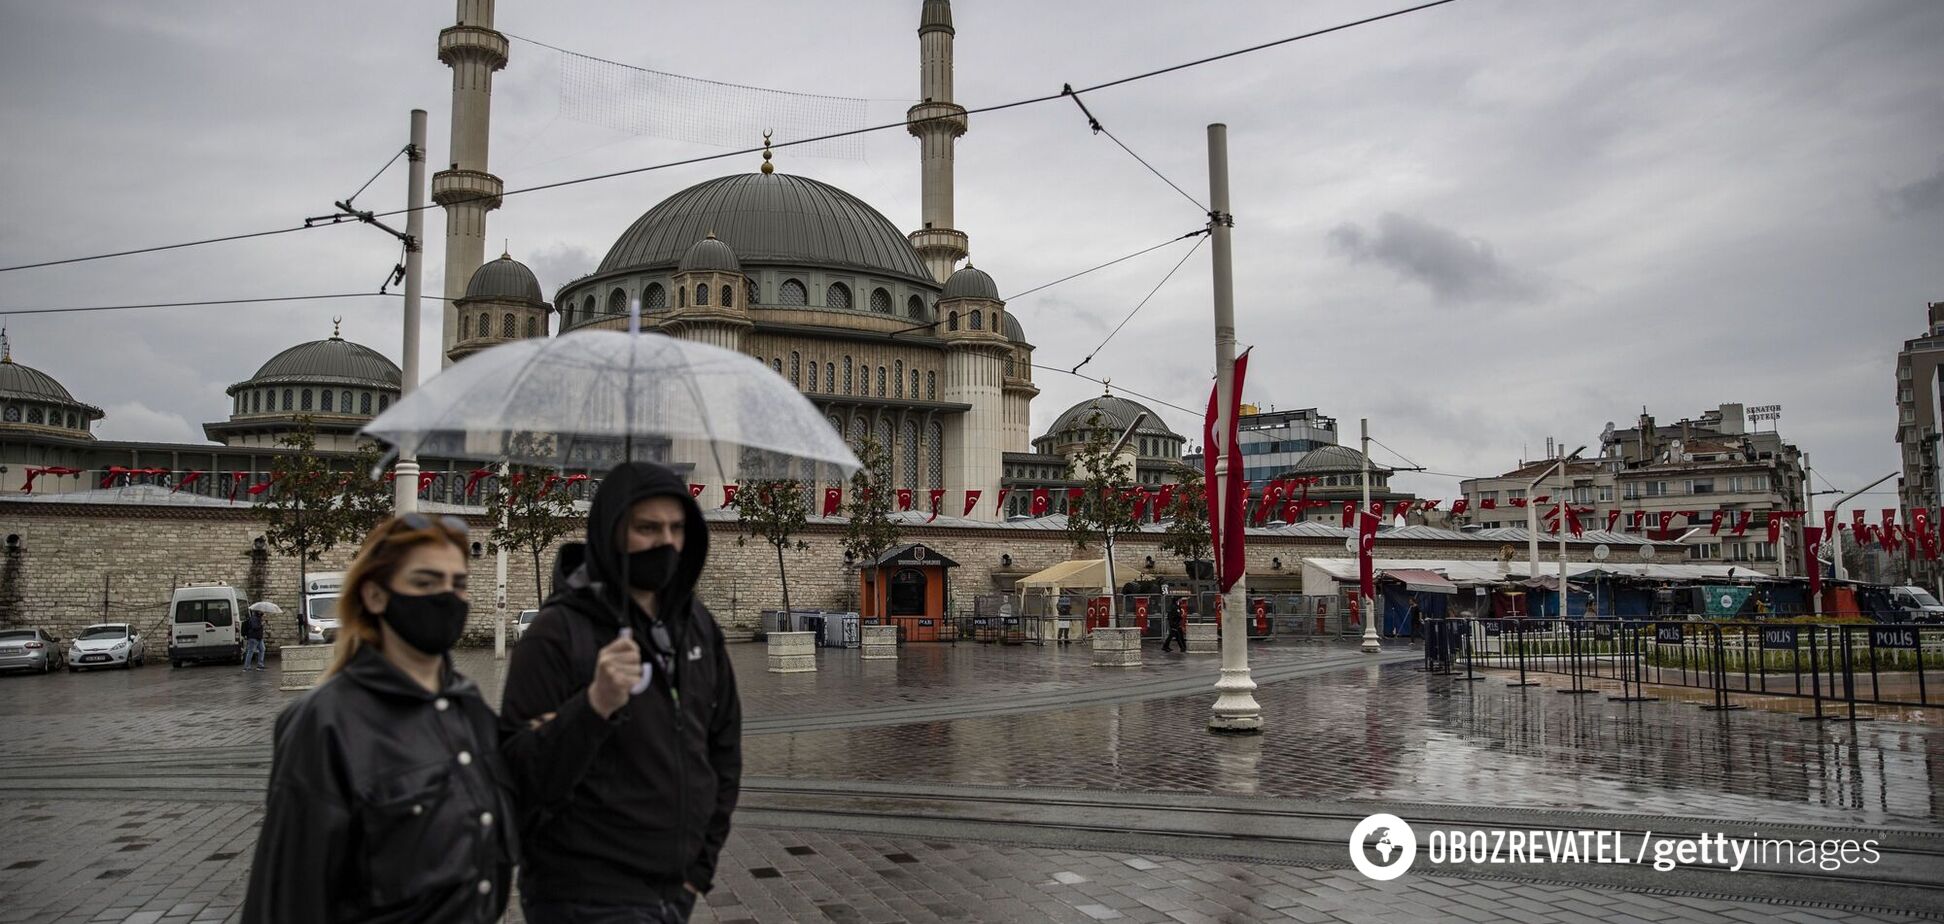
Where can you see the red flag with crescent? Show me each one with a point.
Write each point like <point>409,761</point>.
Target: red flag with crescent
<point>972,501</point>
<point>904,498</point>
<point>1366,544</point>
<point>1811,551</point>
<point>833,498</point>
<point>1074,495</point>
<point>187,480</point>
<point>1349,514</point>
<point>1774,529</point>
<point>473,477</point>
<point>937,497</point>
<point>1741,524</point>
<point>1164,501</point>
<point>729,494</point>
<point>998,503</point>
<point>1714,527</point>
<point>425,480</point>
<point>695,490</point>
<point>1613,519</point>
<point>1458,506</point>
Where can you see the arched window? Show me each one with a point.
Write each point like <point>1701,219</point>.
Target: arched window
<point>1012,371</point>
<point>701,294</point>
<point>915,308</point>
<point>654,298</point>
<point>384,401</point>
<point>587,309</point>
<point>256,402</point>
<point>811,385</point>
<point>837,296</point>
<point>533,327</point>
<point>728,297</point>
<point>884,439</point>
<point>978,320</point>
<point>681,298</point>
<point>931,386</point>
<point>617,302</point>
<point>914,384</point>
<point>897,378</point>
<point>935,456</point>
<point>776,365</point>
<point>364,402</point>
<point>71,421</point>
<point>35,415</point>
<point>289,402</point>
<point>847,375</point>
<point>509,327</point>
<point>792,293</point>
<point>566,315</point>
<point>324,400</point>
<point>837,426</point>
<point>830,378</point>
<point>344,401</point>
<point>881,385</point>
<point>796,368</point>
<point>749,286</point>
<point>465,327</point>
<point>951,321</point>
<point>858,430</point>
<point>908,452</point>
<point>485,328</point>
<point>880,301</point>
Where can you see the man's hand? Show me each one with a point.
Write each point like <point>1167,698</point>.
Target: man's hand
<point>616,671</point>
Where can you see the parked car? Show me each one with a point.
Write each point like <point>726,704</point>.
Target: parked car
<point>520,625</point>
<point>108,644</point>
<point>1915,604</point>
<point>29,650</point>
<point>318,613</point>
<point>204,622</point>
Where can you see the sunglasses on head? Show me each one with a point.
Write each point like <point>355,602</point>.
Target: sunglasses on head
<point>421,521</point>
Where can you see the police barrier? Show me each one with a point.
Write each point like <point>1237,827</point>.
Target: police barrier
<point>1844,664</point>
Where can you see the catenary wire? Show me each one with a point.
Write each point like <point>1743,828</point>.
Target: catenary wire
<point>222,301</point>
<point>1137,308</point>
<point>743,152</point>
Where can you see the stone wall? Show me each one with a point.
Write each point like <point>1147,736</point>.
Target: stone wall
<point>80,564</point>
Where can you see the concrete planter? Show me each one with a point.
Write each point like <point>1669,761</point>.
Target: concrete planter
<point>301,666</point>
<point>1117,647</point>
<point>1204,637</point>
<point>880,643</point>
<point>792,652</point>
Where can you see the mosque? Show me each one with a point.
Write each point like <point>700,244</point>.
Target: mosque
<point>890,334</point>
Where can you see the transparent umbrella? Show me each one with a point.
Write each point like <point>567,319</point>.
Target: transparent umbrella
<point>588,400</point>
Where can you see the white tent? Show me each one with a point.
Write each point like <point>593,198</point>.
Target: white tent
<point>1080,574</point>
<point>1321,575</point>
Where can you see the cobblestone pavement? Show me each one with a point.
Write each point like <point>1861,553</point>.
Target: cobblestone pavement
<point>174,863</point>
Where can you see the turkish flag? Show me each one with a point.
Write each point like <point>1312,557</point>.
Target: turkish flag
<point>972,501</point>
<point>1225,511</point>
<point>1366,544</point>
<point>236,483</point>
<point>186,481</point>
<point>1432,504</point>
<point>258,489</point>
<point>1349,514</point>
<point>1857,519</point>
<point>1458,506</point>
<point>972,497</point>
<point>1518,502</point>
<point>113,472</point>
<point>1613,519</point>
<point>695,490</point>
<point>1920,524</point>
<point>1714,527</point>
<point>1829,523</point>
<point>1403,507</point>
<point>1741,524</point>
<point>425,480</point>
<point>1573,523</point>
<point>1489,503</point>
<point>1140,504</point>
<point>833,498</point>
<point>904,498</point>
<point>1271,496</point>
<point>1074,495</point>
<point>473,477</point>
<point>729,495</point>
<point>1811,549</point>
<point>1042,502</point>
<point>1666,522</point>
<point>937,497</point>
<point>1164,501</point>
<point>1774,528</point>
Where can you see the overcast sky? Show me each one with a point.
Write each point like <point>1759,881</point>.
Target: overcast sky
<point>1477,225</point>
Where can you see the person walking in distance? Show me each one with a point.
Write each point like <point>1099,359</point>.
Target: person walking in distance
<point>1177,627</point>
<point>252,639</point>
<point>387,802</point>
<point>621,721</point>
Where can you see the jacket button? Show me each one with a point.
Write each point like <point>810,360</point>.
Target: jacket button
<point>485,819</point>
<point>485,887</point>
<point>465,758</point>
<point>441,704</point>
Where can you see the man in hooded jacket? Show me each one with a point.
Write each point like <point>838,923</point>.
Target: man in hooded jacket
<point>621,722</point>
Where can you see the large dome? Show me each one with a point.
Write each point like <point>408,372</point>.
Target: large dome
<point>27,382</point>
<point>335,361</point>
<point>1115,412</point>
<point>769,218</point>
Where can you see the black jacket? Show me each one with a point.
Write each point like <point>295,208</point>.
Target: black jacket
<point>387,803</point>
<point>626,809</point>
<point>253,625</point>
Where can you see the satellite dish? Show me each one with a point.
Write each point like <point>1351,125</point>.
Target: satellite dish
<point>1600,552</point>
<point>1350,545</point>
<point>1646,552</point>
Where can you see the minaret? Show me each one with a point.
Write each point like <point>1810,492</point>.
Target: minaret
<point>474,51</point>
<point>937,122</point>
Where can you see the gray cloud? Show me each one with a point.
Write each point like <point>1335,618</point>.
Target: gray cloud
<point>1455,267</point>
<point>1917,196</point>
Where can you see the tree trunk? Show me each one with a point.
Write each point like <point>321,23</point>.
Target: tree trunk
<point>539,596</point>
<point>784,578</point>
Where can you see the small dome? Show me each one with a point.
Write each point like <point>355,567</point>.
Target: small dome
<point>1115,413</point>
<point>709,255</point>
<point>971,282</point>
<point>504,278</point>
<point>1010,324</point>
<point>336,361</point>
<point>27,382</point>
<point>1334,460</point>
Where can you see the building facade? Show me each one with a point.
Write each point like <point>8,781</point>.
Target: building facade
<point>1919,386</point>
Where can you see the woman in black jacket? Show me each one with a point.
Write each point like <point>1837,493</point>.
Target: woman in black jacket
<point>387,798</point>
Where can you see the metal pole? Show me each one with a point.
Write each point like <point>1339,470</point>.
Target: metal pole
<point>1565,484</point>
<point>1836,556</point>
<point>1235,708</point>
<point>499,578</point>
<point>1113,592</point>
<point>406,472</point>
<point>1371,645</point>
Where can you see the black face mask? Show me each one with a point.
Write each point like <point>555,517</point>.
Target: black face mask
<point>431,623</point>
<point>652,569</point>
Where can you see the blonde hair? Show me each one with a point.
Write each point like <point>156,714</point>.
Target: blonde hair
<point>378,559</point>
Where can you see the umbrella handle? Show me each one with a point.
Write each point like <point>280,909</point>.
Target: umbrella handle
<point>647,668</point>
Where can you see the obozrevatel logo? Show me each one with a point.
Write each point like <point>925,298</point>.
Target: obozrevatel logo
<point>1382,847</point>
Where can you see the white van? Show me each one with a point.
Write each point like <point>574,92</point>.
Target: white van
<point>205,623</point>
<point>319,608</point>
<point>1917,605</point>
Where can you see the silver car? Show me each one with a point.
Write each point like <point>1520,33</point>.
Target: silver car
<point>29,650</point>
<point>108,644</point>
<point>526,619</point>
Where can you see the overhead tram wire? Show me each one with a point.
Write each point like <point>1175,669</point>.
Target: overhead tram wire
<point>223,301</point>
<point>1100,129</point>
<point>1137,308</point>
<point>1128,391</point>
<point>744,152</point>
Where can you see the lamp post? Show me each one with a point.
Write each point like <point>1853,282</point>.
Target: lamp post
<point>1235,709</point>
<point>406,472</point>
<point>1836,535</point>
<point>1371,644</point>
<point>1113,589</point>
<point>1532,515</point>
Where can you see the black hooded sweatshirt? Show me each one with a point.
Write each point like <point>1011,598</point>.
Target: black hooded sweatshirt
<point>622,810</point>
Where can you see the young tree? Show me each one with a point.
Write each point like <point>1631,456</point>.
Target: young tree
<point>774,511</point>
<point>316,502</point>
<point>871,532</point>
<point>1187,536</point>
<point>533,508</point>
<point>1102,473</point>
